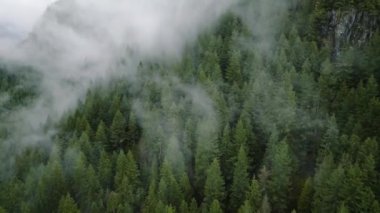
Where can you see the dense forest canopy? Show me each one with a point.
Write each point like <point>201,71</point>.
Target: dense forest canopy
<point>234,125</point>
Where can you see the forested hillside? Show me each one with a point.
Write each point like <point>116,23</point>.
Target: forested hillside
<point>230,127</point>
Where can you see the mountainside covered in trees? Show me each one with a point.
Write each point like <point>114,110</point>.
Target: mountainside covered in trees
<point>231,127</point>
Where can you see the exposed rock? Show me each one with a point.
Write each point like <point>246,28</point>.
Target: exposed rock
<point>351,27</point>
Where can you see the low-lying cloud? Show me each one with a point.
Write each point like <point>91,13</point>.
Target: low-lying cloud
<point>78,42</point>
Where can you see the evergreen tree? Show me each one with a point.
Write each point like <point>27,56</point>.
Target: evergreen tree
<point>215,207</point>
<point>50,187</point>
<point>131,182</point>
<point>306,196</point>
<point>246,208</point>
<point>12,192</point>
<point>183,207</point>
<point>233,72</point>
<point>86,148</point>
<point>328,187</point>
<point>330,141</point>
<point>117,131</point>
<point>101,135</point>
<point>265,206</point>
<point>343,209</point>
<point>241,134</point>
<point>214,186</point>
<point>162,192</point>
<point>113,202</point>
<point>193,206</point>
<point>67,205</point>
<point>327,81</point>
<point>206,151</point>
<point>121,169</point>
<point>151,198</point>
<point>132,171</point>
<point>186,188</point>
<point>168,188</point>
<point>89,190</point>
<point>279,182</point>
<point>254,196</point>
<point>105,170</point>
<point>114,108</point>
<point>357,196</point>
<point>133,131</point>
<point>227,148</point>
<point>240,184</point>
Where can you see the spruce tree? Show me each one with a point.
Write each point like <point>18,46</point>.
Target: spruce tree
<point>51,187</point>
<point>121,169</point>
<point>254,195</point>
<point>101,135</point>
<point>240,184</point>
<point>67,205</point>
<point>105,170</point>
<point>233,72</point>
<point>280,171</point>
<point>214,186</point>
<point>306,197</point>
<point>215,207</point>
<point>246,208</point>
<point>117,130</point>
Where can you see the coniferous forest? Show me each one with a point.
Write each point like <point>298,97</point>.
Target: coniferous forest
<point>232,125</point>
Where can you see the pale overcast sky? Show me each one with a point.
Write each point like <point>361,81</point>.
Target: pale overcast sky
<point>17,18</point>
<point>22,14</point>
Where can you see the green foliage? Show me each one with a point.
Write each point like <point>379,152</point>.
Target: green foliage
<point>328,187</point>
<point>214,186</point>
<point>215,207</point>
<point>2,210</point>
<point>11,195</point>
<point>233,72</point>
<point>117,131</point>
<point>265,206</point>
<point>101,135</point>
<point>51,187</point>
<point>240,182</point>
<point>246,208</point>
<point>306,196</point>
<point>280,171</point>
<point>254,196</point>
<point>67,205</point>
<point>169,190</point>
<point>188,136</point>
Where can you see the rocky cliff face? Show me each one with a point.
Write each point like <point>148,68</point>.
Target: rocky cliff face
<point>351,27</point>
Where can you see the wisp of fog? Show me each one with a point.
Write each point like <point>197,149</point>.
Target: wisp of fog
<point>78,42</point>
